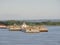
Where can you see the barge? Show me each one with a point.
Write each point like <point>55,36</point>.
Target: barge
<point>28,29</point>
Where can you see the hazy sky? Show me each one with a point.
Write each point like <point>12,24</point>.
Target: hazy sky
<point>29,9</point>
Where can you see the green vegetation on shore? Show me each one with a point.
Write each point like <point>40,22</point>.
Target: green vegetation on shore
<point>12,22</point>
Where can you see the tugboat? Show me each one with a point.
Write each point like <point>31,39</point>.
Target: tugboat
<point>33,29</point>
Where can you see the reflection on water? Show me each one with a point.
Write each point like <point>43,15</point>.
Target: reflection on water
<point>52,37</point>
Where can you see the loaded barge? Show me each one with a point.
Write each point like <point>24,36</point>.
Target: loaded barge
<point>28,29</point>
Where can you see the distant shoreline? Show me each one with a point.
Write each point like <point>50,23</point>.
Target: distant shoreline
<point>12,22</point>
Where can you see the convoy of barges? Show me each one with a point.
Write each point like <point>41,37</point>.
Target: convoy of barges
<point>26,28</point>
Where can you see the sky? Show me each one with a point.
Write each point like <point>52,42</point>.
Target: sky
<point>29,9</point>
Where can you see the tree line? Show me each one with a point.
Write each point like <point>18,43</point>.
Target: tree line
<point>12,22</point>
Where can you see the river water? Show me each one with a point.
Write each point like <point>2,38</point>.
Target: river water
<point>52,37</point>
